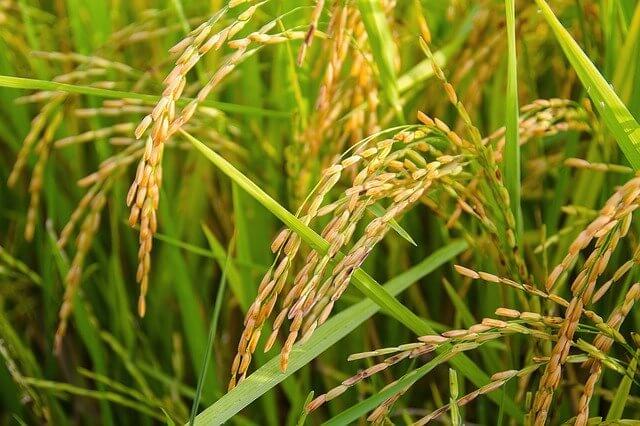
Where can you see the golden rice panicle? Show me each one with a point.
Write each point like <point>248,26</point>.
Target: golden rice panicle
<point>543,118</point>
<point>526,288</point>
<point>327,106</point>
<point>404,196</point>
<point>316,297</point>
<point>603,343</point>
<point>616,214</point>
<point>143,196</point>
<point>324,277</point>
<point>607,230</point>
<point>42,150</point>
<point>273,283</point>
<point>286,244</point>
<point>313,25</point>
<point>240,52</point>
<point>352,381</point>
<point>164,121</point>
<point>461,341</point>
<point>621,272</point>
<point>348,89</point>
<point>85,236</point>
<point>489,172</point>
<point>343,19</point>
<point>496,382</point>
<point>38,124</point>
<point>362,121</point>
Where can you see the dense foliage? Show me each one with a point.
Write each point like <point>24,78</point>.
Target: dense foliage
<point>279,212</point>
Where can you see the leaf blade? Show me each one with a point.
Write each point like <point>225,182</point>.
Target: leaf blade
<point>615,114</point>
<point>512,146</point>
<point>325,336</point>
<point>34,84</point>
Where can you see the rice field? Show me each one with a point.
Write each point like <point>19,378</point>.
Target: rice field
<point>319,212</point>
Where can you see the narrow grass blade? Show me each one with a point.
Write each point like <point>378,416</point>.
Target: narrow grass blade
<point>423,69</point>
<point>512,146</point>
<point>100,395</point>
<point>33,84</point>
<point>218,252</point>
<point>325,336</point>
<point>303,415</point>
<point>167,418</point>
<point>377,210</point>
<point>224,261</point>
<point>194,326</point>
<point>179,8</point>
<point>628,62</point>
<point>212,335</point>
<point>615,114</point>
<point>622,394</point>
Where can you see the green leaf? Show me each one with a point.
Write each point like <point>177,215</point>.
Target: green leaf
<point>33,84</point>
<point>226,262</point>
<point>167,418</point>
<point>213,326</point>
<point>627,65</point>
<point>615,114</point>
<point>325,336</point>
<point>512,146</point>
<point>377,210</point>
<point>622,394</point>
<point>303,416</point>
<point>194,326</point>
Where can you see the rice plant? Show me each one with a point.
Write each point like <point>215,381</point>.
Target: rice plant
<point>337,212</point>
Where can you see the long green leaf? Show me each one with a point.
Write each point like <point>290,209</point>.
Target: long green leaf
<point>225,261</point>
<point>622,394</point>
<point>615,114</point>
<point>213,326</point>
<point>33,84</point>
<point>625,69</point>
<point>512,147</point>
<point>325,336</point>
